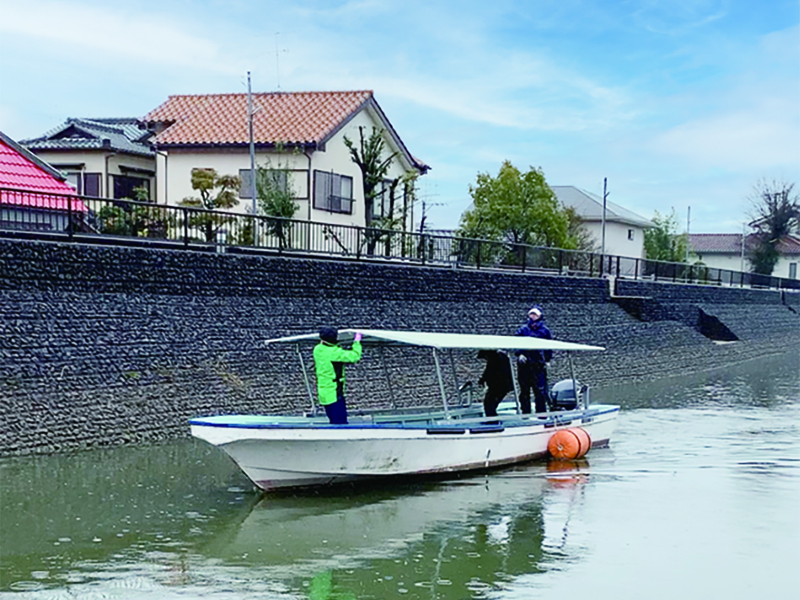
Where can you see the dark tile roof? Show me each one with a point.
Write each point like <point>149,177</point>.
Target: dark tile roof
<point>120,135</point>
<point>731,243</point>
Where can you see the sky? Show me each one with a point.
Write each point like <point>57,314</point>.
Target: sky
<point>681,105</point>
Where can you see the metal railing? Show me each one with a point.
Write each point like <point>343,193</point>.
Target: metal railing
<point>124,222</point>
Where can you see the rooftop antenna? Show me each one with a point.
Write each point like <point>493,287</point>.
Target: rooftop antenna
<point>605,197</point>
<point>277,60</point>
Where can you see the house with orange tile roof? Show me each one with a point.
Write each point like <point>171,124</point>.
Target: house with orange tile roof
<point>730,251</point>
<point>33,195</point>
<point>302,133</point>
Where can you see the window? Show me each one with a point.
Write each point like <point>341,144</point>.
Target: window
<point>792,270</point>
<point>630,234</point>
<point>86,184</point>
<point>125,186</point>
<point>333,192</point>
<point>278,176</point>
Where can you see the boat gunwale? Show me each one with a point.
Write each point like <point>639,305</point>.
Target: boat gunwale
<point>509,421</point>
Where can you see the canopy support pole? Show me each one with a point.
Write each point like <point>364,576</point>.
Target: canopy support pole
<point>305,377</point>
<point>515,380</point>
<point>441,383</point>
<point>455,377</point>
<point>572,375</point>
<point>386,374</point>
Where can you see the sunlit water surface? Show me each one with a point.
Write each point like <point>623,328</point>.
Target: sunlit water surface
<point>697,497</point>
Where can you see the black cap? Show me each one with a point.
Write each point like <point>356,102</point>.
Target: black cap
<point>329,334</point>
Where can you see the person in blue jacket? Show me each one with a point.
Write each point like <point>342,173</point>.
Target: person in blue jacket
<point>532,364</point>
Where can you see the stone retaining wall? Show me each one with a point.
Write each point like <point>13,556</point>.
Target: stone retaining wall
<point>107,345</point>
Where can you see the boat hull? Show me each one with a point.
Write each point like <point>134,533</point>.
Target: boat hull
<point>278,453</point>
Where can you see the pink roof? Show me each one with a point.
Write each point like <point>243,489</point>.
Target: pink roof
<point>19,172</point>
<point>280,117</point>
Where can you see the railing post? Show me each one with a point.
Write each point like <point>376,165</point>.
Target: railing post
<point>591,264</point>
<point>186,228</point>
<point>69,219</point>
<point>636,270</point>
<point>524,256</point>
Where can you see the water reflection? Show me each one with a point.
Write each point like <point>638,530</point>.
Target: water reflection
<point>58,511</point>
<point>179,519</point>
<point>766,382</point>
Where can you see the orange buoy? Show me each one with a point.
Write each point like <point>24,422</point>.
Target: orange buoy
<point>569,443</point>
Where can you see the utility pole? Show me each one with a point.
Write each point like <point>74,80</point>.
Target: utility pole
<point>688,221</point>
<point>605,196</point>
<point>741,268</point>
<point>252,145</point>
<point>250,113</point>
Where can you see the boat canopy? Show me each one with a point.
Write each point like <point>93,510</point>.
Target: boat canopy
<point>472,341</point>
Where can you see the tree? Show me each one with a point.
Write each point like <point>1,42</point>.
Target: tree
<point>663,242</point>
<point>137,220</point>
<point>516,208</point>
<point>775,212</point>
<point>216,192</point>
<point>580,238</point>
<point>276,199</point>
<point>373,168</point>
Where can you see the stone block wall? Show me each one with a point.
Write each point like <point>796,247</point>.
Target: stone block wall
<point>108,345</point>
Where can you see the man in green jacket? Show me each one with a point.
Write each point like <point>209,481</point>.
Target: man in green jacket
<point>329,361</point>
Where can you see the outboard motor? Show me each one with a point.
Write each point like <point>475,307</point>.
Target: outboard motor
<point>563,395</point>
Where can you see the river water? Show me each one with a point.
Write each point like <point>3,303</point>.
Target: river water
<point>698,496</point>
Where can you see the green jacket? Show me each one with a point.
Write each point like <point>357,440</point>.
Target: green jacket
<point>329,362</point>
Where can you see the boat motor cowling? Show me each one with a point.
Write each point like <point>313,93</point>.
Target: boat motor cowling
<point>563,395</point>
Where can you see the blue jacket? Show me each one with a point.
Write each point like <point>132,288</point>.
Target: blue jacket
<point>536,329</point>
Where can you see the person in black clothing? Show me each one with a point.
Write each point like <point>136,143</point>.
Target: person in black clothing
<point>497,377</point>
<point>532,364</point>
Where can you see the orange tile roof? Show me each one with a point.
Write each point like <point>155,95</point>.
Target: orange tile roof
<point>286,117</point>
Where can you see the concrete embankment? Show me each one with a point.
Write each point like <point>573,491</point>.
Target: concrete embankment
<point>105,345</point>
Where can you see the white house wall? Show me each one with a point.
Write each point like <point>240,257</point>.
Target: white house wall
<point>105,163</point>
<point>175,173</point>
<point>733,262</point>
<point>617,242</point>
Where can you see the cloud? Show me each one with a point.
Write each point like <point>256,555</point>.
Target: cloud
<point>111,31</point>
<point>754,139</point>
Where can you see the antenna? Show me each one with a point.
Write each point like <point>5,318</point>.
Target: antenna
<point>277,60</point>
<point>603,226</point>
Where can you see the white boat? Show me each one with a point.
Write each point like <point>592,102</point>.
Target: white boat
<point>278,451</point>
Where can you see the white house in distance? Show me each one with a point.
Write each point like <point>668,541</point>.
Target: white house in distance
<point>624,229</point>
<point>107,158</point>
<point>300,132</point>
<point>726,251</point>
